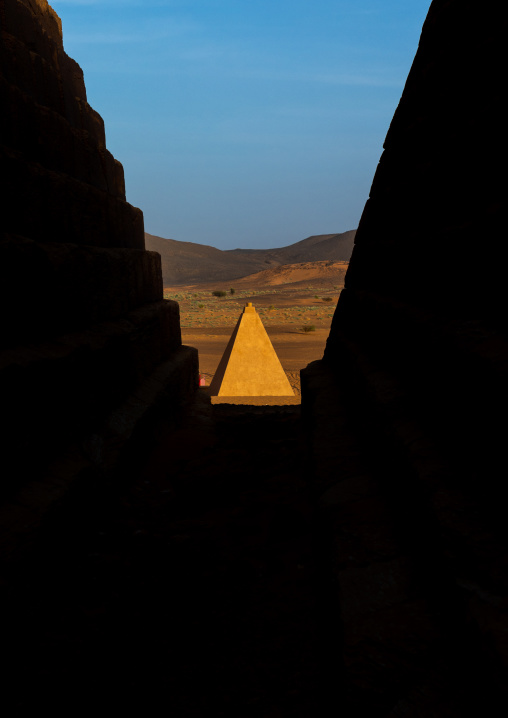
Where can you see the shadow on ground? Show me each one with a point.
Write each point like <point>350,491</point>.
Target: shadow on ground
<point>190,589</point>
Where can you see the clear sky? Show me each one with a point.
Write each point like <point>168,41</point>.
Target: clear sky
<point>245,123</point>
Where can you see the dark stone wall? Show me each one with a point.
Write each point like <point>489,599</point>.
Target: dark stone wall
<point>84,323</point>
<point>435,212</point>
<point>53,142</point>
<point>406,412</point>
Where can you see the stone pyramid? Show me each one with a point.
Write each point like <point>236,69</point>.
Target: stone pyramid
<point>249,365</point>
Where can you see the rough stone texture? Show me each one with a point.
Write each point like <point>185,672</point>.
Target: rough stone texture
<point>84,324</point>
<point>53,143</point>
<point>406,410</point>
<point>83,467</point>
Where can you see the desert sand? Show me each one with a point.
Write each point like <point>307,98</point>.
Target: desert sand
<point>288,299</point>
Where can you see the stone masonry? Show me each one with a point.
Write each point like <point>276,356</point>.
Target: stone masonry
<point>407,410</point>
<point>88,344</point>
<point>405,417</point>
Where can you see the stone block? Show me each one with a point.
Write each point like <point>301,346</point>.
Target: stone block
<point>119,182</point>
<point>73,108</point>
<point>19,21</point>
<point>47,20</point>
<point>49,285</point>
<point>54,392</point>
<point>46,88</point>
<point>16,64</point>
<point>45,206</point>
<point>94,124</point>
<point>72,76</point>
<point>45,137</point>
<point>126,431</point>
<point>30,72</point>
<point>113,173</point>
<point>57,158</point>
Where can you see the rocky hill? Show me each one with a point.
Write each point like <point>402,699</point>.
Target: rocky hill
<point>317,272</point>
<point>188,263</point>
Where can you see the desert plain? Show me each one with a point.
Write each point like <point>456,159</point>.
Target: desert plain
<point>295,303</point>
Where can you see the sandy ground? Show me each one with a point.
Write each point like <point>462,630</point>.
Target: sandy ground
<point>294,348</point>
<point>207,321</point>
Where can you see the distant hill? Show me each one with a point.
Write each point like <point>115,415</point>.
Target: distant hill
<point>189,263</point>
<point>303,272</point>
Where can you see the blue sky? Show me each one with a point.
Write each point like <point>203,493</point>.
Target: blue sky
<point>245,123</point>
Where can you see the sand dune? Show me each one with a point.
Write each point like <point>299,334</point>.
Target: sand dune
<point>294,273</point>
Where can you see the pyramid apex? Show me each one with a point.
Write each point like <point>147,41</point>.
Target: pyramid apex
<point>249,308</point>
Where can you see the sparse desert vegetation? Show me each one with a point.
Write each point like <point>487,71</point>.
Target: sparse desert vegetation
<point>284,305</point>
<point>288,310</point>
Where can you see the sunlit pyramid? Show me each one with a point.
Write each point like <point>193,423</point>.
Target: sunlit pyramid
<point>249,365</point>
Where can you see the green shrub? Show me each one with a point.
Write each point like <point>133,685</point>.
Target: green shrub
<point>231,291</point>
<point>327,299</point>
<point>308,328</point>
<point>201,306</point>
<point>219,293</point>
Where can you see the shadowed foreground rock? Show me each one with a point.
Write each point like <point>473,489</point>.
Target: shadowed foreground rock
<point>406,412</point>
<point>163,554</point>
<point>88,345</point>
<point>188,592</point>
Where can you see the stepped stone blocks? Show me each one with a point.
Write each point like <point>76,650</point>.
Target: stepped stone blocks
<point>406,411</point>
<point>249,365</point>
<point>89,348</point>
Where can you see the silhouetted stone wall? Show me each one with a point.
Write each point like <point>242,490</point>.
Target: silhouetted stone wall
<point>84,323</point>
<point>407,409</point>
<point>53,142</point>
